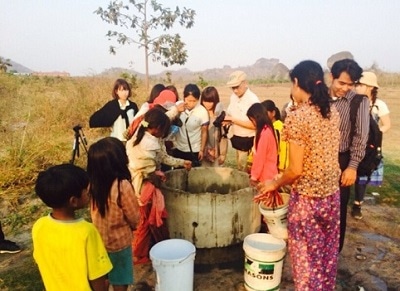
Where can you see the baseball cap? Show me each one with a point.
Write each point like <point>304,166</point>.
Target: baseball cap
<point>236,78</point>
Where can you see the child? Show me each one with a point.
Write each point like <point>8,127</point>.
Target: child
<point>265,158</point>
<point>117,113</point>
<point>283,150</point>
<point>114,209</point>
<point>68,250</point>
<point>146,151</point>
<point>217,144</point>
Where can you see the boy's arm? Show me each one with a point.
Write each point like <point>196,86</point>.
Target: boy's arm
<point>99,284</point>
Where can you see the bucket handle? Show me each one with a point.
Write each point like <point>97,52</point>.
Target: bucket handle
<point>187,257</point>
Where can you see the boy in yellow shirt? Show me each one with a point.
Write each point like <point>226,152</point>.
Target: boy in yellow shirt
<point>68,250</point>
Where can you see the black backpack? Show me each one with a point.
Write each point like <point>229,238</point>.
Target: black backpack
<point>373,149</point>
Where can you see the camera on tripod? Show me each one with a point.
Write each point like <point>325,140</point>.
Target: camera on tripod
<point>77,127</point>
<point>79,138</point>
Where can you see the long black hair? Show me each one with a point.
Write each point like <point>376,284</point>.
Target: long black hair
<point>271,107</point>
<point>155,91</point>
<point>154,118</point>
<point>259,114</point>
<point>107,161</point>
<point>310,78</point>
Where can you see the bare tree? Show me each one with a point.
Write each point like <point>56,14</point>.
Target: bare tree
<point>149,16</point>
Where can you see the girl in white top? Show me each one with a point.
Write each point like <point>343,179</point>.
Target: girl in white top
<point>117,113</point>
<point>146,151</point>
<point>192,136</point>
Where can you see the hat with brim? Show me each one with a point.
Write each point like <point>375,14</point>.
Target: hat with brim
<point>369,79</point>
<point>236,78</point>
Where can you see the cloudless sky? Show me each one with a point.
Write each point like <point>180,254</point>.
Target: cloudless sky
<point>65,35</point>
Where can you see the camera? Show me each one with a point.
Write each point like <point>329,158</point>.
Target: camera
<point>77,128</point>
<point>218,121</point>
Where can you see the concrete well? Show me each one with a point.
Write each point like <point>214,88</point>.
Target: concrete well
<point>210,207</point>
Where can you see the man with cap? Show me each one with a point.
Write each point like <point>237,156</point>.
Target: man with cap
<point>243,129</point>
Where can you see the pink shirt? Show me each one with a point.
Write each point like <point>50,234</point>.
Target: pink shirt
<point>265,158</point>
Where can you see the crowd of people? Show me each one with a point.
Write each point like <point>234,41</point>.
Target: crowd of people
<point>310,147</point>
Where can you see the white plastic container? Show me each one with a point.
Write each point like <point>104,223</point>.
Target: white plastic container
<point>263,263</point>
<point>173,262</point>
<point>276,218</point>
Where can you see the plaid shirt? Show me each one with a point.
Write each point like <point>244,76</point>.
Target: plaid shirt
<point>120,219</point>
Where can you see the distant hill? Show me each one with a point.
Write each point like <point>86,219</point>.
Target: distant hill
<point>262,69</point>
<point>18,68</point>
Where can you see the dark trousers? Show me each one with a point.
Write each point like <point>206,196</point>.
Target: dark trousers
<point>189,156</point>
<point>359,191</point>
<point>1,234</point>
<point>344,159</point>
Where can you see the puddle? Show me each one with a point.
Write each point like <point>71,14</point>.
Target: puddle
<point>375,237</point>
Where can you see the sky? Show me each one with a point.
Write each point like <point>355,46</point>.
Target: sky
<point>66,35</point>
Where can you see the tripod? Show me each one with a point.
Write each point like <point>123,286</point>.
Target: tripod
<point>79,138</point>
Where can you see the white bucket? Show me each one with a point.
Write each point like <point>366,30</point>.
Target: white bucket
<point>276,218</point>
<point>173,262</point>
<point>263,261</point>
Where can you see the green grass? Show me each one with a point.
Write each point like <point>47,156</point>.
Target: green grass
<point>390,189</point>
<point>25,277</point>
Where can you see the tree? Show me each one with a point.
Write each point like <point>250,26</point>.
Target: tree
<point>145,17</point>
<point>4,64</point>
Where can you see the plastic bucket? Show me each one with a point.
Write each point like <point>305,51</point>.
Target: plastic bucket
<point>263,261</point>
<point>276,218</point>
<point>173,262</point>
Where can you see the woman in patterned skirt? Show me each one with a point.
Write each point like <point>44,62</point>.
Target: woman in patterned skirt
<point>312,131</point>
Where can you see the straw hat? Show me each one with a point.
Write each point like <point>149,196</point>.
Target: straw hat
<point>369,79</point>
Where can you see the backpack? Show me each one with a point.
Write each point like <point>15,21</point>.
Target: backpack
<point>373,149</point>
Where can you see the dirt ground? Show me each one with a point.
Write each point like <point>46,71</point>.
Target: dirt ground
<point>370,258</point>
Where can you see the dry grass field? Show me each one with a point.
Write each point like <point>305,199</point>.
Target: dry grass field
<point>36,120</point>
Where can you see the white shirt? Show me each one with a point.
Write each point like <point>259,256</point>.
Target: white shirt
<point>379,109</point>
<point>238,109</point>
<point>119,125</point>
<point>192,120</point>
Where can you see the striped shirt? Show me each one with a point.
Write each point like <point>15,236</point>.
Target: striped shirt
<point>356,143</point>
